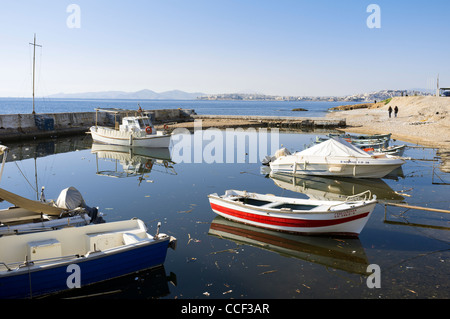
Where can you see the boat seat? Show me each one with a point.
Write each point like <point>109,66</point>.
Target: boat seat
<point>271,205</point>
<point>44,249</point>
<point>130,238</point>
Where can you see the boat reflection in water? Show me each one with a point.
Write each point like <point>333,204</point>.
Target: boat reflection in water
<point>331,188</point>
<point>146,284</point>
<point>346,254</point>
<point>134,161</point>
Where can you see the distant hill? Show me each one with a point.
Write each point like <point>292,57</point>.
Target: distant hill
<point>139,95</point>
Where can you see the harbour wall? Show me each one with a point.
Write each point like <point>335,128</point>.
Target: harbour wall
<point>33,126</point>
<point>16,127</point>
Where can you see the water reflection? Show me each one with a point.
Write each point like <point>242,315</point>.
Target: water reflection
<point>345,254</point>
<point>46,147</point>
<point>331,188</point>
<point>132,161</point>
<point>147,284</point>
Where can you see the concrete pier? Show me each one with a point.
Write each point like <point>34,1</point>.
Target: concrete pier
<point>279,121</point>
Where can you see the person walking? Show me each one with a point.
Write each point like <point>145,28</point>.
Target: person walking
<point>395,111</point>
<point>390,111</point>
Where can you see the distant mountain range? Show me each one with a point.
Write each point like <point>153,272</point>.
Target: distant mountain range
<point>139,95</point>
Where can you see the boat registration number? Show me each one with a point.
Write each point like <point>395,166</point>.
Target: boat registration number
<point>346,213</point>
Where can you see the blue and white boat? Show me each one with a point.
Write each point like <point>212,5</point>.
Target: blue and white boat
<point>43,263</point>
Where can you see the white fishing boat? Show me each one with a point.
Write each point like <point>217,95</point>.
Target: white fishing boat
<point>137,130</point>
<point>304,216</point>
<point>43,263</point>
<point>336,157</point>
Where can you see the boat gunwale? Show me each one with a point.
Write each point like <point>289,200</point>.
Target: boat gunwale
<point>31,266</point>
<point>359,204</point>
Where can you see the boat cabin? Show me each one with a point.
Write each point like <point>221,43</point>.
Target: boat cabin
<point>137,123</point>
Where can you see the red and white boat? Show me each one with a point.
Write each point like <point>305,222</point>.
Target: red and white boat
<point>295,215</point>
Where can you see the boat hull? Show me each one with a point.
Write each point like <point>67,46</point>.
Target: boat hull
<point>360,168</point>
<point>346,222</point>
<point>76,257</point>
<point>153,140</point>
<point>55,279</point>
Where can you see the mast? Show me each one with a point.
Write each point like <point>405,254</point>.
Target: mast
<point>34,63</point>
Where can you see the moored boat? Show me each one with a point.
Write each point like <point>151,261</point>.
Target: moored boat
<point>38,264</point>
<point>361,137</point>
<point>336,157</point>
<point>69,210</point>
<point>304,216</point>
<point>135,130</point>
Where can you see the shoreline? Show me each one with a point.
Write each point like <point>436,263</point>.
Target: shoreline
<point>423,120</point>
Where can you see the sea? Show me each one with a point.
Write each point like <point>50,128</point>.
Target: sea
<point>401,253</point>
<point>201,107</point>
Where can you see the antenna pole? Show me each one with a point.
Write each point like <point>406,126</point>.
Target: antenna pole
<point>34,64</point>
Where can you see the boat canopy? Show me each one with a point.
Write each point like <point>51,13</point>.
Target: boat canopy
<point>32,205</point>
<point>335,146</point>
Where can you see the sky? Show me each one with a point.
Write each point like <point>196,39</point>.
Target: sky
<point>282,47</point>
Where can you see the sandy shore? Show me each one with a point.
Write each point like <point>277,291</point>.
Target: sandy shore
<point>423,120</point>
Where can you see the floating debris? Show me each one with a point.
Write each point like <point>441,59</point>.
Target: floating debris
<point>231,250</point>
<point>268,272</point>
<point>192,239</point>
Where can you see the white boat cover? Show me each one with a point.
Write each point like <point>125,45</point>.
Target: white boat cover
<point>70,198</point>
<point>334,147</point>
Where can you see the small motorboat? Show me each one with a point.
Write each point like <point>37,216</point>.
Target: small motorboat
<point>27,215</point>
<point>304,216</point>
<point>38,264</point>
<point>336,157</point>
<point>361,137</point>
<point>134,131</point>
<point>360,143</point>
<point>69,210</point>
<point>395,150</point>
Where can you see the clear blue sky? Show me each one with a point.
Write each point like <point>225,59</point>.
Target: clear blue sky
<point>281,47</point>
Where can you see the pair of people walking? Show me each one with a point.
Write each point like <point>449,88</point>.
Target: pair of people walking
<point>395,111</point>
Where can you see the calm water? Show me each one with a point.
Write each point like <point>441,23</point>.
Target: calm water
<point>315,109</point>
<point>411,248</point>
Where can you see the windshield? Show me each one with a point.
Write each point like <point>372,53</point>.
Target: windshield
<point>143,122</point>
